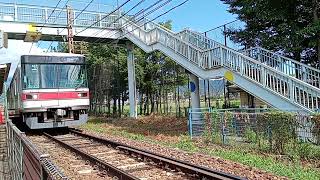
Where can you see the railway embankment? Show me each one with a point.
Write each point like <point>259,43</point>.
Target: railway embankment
<point>169,136</point>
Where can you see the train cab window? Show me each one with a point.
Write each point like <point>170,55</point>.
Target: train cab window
<point>48,75</point>
<point>72,76</point>
<point>31,76</point>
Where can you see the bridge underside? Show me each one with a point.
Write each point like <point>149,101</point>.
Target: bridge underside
<point>61,38</point>
<point>19,31</point>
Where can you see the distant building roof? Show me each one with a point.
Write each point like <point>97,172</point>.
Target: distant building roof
<point>4,71</point>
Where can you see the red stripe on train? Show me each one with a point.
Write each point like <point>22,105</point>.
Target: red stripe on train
<point>55,95</point>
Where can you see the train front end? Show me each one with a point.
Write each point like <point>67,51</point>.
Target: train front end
<point>55,90</point>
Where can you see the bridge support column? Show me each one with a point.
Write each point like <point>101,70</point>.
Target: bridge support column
<point>132,81</point>
<point>195,95</point>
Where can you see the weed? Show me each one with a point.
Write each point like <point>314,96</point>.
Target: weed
<point>185,143</point>
<point>250,136</point>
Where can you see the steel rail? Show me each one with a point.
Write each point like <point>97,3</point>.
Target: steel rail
<point>185,167</point>
<point>122,175</point>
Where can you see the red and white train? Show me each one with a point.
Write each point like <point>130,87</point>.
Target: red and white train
<point>49,91</point>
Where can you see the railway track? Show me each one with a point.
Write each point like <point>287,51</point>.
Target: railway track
<point>119,161</point>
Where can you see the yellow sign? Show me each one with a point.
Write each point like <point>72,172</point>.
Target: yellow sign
<point>32,36</point>
<point>31,28</point>
<point>229,76</point>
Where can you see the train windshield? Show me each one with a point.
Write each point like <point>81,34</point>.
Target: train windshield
<point>44,76</point>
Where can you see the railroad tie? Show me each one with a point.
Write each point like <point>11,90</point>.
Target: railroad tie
<point>103,153</point>
<point>131,165</point>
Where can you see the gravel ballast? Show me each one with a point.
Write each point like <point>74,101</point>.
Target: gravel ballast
<point>195,158</point>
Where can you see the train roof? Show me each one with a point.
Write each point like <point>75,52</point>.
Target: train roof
<point>48,58</point>
<point>54,54</point>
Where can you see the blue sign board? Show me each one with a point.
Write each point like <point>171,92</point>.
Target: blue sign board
<point>192,87</point>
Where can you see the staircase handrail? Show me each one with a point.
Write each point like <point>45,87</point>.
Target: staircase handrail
<point>282,56</point>
<point>230,50</point>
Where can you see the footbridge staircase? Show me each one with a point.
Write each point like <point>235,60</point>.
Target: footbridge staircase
<point>281,82</point>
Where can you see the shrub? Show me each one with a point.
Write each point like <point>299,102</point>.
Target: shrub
<point>316,128</point>
<point>280,129</point>
<point>309,151</point>
<point>250,136</point>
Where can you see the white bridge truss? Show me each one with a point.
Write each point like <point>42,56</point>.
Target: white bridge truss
<point>281,82</point>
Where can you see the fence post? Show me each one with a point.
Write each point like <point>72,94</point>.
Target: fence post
<point>223,129</point>
<point>190,122</point>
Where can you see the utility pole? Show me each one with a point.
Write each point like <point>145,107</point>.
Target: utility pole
<point>224,32</point>
<point>70,20</point>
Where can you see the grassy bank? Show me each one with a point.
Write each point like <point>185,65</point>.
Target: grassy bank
<point>172,133</point>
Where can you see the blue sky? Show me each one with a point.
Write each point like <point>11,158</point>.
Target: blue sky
<point>196,14</point>
<point>199,15</point>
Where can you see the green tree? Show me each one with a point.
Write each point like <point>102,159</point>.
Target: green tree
<point>62,47</point>
<point>289,26</point>
<point>157,76</point>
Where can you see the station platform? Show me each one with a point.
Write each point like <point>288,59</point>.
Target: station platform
<point>3,154</point>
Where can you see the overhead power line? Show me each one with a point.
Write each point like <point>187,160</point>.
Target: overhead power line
<point>145,15</point>
<point>136,15</point>
<point>55,21</point>
<point>173,8</point>
<point>220,26</point>
<point>123,15</point>
<point>103,17</point>
<point>51,14</point>
<point>73,19</point>
<point>79,14</point>
<point>46,21</point>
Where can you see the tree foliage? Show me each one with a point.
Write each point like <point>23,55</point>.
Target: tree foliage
<point>157,76</point>
<point>288,26</point>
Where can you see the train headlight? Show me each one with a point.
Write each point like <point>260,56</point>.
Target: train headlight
<point>31,96</point>
<point>34,96</point>
<point>82,95</point>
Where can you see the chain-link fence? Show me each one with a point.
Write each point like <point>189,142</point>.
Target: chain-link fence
<point>196,121</point>
<point>263,128</point>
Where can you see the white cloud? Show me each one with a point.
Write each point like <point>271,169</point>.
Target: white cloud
<point>16,48</point>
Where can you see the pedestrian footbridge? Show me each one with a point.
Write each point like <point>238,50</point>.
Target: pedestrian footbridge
<point>281,82</point>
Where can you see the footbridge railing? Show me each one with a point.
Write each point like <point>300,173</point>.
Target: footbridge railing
<point>56,16</point>
<point>296,91</point>
<point>281,63</point>
<point>286,65</point>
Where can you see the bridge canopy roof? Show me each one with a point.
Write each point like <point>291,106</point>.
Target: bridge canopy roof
<point>4,71</point>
